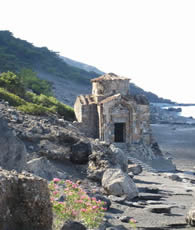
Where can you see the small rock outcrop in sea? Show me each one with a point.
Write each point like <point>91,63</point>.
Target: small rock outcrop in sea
<point>159,115</point>
<point>24,201</point>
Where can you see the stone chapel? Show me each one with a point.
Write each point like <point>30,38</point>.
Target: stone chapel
<point>112,114</point>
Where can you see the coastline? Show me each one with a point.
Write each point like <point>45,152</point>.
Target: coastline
<point>178,141</point>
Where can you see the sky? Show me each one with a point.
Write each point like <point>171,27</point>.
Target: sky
<point>150,41</point>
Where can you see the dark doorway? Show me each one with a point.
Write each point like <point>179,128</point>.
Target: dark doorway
<point>119,132</point>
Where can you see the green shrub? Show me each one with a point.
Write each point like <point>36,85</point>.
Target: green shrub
<point>34,109</point>
<point>31,81</point>
<point>12,83</point>
<point>14,92</point>
<point>13,99</point>
<point>52,104</point>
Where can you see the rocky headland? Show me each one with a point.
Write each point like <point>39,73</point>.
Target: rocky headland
<point>41,148</point>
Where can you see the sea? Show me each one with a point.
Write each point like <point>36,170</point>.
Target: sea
<point>187,110</point>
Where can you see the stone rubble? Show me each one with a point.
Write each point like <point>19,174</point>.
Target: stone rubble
<point>47,151</point>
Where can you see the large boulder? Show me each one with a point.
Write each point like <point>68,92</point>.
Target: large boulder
<point>80,152</point>
<point>12,150</point>
<point>24,201</point>
<point>42,167</point>
<point>190,217</point>
<point>116,182</point>
<point>103,157</point>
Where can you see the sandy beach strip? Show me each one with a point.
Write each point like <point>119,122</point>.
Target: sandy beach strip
<point>179,140</point>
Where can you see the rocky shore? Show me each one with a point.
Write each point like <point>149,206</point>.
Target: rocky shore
<point>50,147</point>
<point>164,116</point>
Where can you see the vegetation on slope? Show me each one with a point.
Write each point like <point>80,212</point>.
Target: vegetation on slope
<point>16,54</point>
<point>13,88</point>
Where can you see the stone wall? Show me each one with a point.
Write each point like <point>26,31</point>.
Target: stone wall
<point>108,88</point>
<point>87,115</point>
<point>111,112</point>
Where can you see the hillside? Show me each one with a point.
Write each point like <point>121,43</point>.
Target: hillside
<point>68,78</point>
<point>16,54</point>
<point>134,89</point>
<point>81,65</point>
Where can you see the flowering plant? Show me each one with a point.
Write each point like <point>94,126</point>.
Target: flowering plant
<point>70,202</point>
<point>132,222</point>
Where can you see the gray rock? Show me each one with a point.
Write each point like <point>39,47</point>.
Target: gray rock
<point>116,182</point>
<point>159,208</point>
<point>103,157</point>
<point>174,177</point>
<point>42,167</point>
<point>131,175</point>
<point>80,152</point>
<point>120,157</point>
<point>117,199</point>
<point>190,217</point>
<point>105,199</point>
<point>118,227</point>
<point>24,201</point>
<point>124,219</point>
<point>135,169</point>
<point>13,152</point>
<point>54,151</point>
<point>73,225</point>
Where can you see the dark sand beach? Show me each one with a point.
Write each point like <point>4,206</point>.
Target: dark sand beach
<point>179,141</point>
<point>161,190</point>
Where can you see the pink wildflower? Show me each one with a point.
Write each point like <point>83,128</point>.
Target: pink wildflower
<point>68,181</point>
<point>74,186</point>
<point>79,201</point>
<point>60,202</point>
<point>56,179</point>
<point>83,210</point>
<point>55,192</point>
<point>74,213</point>
<point>132,220</point>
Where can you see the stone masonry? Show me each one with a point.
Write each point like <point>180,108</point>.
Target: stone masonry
<point>112,114</point>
